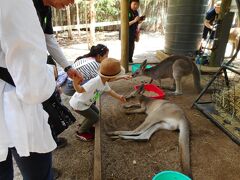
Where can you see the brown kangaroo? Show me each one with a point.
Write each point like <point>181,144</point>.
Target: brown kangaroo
<point>161,114</point>
<point>175,67</point>
<point>234,36</point>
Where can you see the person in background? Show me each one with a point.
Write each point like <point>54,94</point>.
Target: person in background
<point>24,128</point>
<point>88,65</point>
<point>209,25</point>
<point>43,8</point>
<point>83,99</point>
<point>134,20</point>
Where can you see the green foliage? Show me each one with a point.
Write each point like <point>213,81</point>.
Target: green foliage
<point>107,10</point>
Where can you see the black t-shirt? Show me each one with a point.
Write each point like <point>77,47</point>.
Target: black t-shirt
<point>133,27</point>
<point>211,16</point>
<point>44,15</point>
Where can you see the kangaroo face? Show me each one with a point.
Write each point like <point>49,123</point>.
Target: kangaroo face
<point>137,93</point>
<point>140,71</point>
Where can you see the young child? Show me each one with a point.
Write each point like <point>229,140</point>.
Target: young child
<point>85,96</point>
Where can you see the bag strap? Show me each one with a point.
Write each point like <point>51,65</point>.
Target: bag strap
<point>5,76</point>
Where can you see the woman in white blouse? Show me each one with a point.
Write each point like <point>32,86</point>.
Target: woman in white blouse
<point>24,130</point>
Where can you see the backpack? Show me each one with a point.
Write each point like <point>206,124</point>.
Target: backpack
<point>60,117</point>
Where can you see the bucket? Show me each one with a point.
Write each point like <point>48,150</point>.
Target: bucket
<point>170,175</point>
<point>137,66</point>
<point>153,88</point>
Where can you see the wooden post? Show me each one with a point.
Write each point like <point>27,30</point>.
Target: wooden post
<point>124,33</point>
<point>97,169</point>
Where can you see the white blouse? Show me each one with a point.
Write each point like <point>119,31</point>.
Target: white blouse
<point>23,122</point>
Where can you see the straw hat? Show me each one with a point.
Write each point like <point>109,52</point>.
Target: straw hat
<point>110,68</point>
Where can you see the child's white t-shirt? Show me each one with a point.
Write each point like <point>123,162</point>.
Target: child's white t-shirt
<point>94,88</point>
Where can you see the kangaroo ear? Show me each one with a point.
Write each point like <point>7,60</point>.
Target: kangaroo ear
<point>143,65</point>
<point>141,89</point>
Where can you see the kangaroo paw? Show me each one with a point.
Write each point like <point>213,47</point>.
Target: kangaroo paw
<point>177,93</point>
<point>134,138</point>
<point>170,93</point>
<point>129,112</point>
<point>126,106</point>
<point>115,137</point>
<point>110,133</point>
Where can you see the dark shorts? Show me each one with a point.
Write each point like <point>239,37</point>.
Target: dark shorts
<point>68,88</point>
<point>207,31</point>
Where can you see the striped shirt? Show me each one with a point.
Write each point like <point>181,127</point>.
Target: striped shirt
<point>88,67</point>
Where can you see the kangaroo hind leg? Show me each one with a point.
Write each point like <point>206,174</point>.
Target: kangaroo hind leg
<point>178,90</point>
<point>117,133</point>
<point>146,135</point>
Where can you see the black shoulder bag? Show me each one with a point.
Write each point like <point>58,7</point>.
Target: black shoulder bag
<point>60,117</point>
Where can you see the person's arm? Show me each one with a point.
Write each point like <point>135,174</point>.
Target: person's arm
<point>207,24</point>
<point>77,86</point>
<point>116,95</point>
<point>126,77</point>
<point>56,52</point>
<point>136,19</point>
<point>211,14</point>
<point>23,42</point>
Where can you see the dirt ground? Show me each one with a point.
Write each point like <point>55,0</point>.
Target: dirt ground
<point>214,156</point>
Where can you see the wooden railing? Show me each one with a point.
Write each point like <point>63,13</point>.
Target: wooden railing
<point>80,26</point>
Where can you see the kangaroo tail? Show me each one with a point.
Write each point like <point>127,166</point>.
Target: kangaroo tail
<point>184,147</point>
<point>196,77</point>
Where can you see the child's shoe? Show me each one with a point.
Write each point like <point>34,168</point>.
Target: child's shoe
<point>85,136</point>
<point>92,129</point>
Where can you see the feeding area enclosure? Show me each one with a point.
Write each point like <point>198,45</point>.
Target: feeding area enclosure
<point>220,100</point>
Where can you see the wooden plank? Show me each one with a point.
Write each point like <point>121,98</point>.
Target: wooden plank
<point>161,55</point>
<point>97,171</point>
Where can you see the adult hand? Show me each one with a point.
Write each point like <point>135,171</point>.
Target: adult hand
<point>77,80</point>
<point>137,18</point>
<point>74,73</point>
<point>57,3</point>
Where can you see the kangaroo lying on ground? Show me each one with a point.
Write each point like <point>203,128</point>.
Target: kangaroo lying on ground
<point>171,67</point>
<point>161,114</point>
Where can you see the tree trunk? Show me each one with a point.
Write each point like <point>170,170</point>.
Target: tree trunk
<point>78,20</point>
<point>215,59</point>
<point>86,22</point>
<point>69,23</point>
<point>55,17</point>
<point>92,22</point>
<point>61,17</point>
